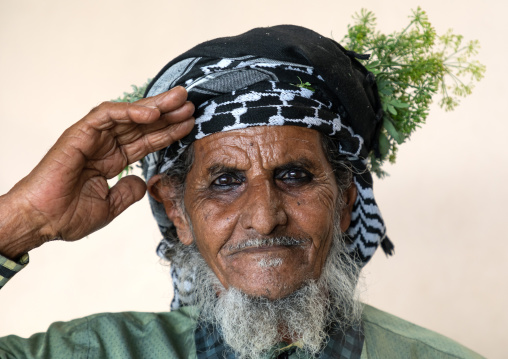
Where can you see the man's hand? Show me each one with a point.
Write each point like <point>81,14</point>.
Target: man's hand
<point>67,196</point>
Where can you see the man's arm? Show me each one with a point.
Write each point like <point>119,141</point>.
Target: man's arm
<point>66,196</point>
<point>110,335</point>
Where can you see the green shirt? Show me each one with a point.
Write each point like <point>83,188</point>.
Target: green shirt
<point>171,335</point>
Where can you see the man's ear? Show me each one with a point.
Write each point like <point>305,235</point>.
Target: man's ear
<point>349,198</point>
<point>166,194</point>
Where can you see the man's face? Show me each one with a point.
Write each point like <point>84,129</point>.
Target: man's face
<point>256,184</point>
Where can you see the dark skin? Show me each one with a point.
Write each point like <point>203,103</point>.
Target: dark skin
<point>66,195</point>
<point>255,183</point>
<point>258,183</point>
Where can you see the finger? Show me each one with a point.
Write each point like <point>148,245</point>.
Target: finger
<point>119,115</point>
<point>124,193</point>
<point>157,140</point>
<point>166,101</point>
<point>182,113</point>
<point>125,133</point>
<point>112,164</point>
<point>110,114</point>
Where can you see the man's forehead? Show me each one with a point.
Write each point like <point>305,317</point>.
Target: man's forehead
<point>271,145</point>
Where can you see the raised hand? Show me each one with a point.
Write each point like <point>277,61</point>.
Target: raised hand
<point>66,196</point>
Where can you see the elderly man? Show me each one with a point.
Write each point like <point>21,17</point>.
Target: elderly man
<point>264,201</point>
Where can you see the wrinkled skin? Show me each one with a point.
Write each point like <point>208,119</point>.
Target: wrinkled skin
<point>257,183</point>
<point>67,195</point>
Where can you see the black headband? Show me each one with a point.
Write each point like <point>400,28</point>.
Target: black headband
<point>345,78</point>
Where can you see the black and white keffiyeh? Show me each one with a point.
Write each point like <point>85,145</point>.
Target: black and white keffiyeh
<point>283,75</point>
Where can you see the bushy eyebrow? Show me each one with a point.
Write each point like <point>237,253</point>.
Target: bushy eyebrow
<point>219,168</point>
<point>301,162</point>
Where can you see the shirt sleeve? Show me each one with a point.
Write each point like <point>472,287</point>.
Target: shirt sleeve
<point>8,267</point>
<point>110,335</point>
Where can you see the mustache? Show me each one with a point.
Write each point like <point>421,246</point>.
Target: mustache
<point>287,241</point>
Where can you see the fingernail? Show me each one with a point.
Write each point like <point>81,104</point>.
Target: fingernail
<point>181,88</point>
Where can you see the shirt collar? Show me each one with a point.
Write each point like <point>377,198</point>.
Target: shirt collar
<point>344,345</point>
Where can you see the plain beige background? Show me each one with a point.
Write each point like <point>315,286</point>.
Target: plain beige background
<point>444,203</point>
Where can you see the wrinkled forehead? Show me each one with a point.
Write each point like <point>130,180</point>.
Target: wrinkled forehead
<point>264,146</point>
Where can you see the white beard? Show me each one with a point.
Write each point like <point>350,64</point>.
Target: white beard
<point>253,325</point>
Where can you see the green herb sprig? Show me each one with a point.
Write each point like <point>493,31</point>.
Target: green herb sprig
<point>411,67</point>
<point>136,94</point>
<point>305,85</point>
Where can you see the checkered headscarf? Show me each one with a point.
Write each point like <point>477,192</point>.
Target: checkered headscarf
<point>283,75</point>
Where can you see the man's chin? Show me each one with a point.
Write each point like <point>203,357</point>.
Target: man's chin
<point>269,277</point>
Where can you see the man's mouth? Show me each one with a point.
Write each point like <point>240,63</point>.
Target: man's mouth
<point>266,244</point>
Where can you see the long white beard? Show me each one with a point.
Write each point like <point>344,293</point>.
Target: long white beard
<point>253,325</point>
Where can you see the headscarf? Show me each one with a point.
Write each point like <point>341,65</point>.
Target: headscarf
<point>275,76</point>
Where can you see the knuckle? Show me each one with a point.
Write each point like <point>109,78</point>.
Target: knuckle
<point>149,145</point>
<point>102,106</point>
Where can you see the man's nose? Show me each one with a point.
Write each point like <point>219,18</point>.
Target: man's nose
<point>264,209</point>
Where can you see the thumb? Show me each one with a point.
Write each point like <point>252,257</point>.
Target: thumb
<point>124,193</point>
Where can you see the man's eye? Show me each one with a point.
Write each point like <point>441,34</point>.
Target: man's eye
<point>226,180</point>
<point>295,175</point>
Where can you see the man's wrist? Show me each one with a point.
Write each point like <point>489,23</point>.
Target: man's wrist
<point>19,232</point>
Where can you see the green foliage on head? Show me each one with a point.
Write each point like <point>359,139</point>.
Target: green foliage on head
<point>411,66</point>
<point>136,94</point>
